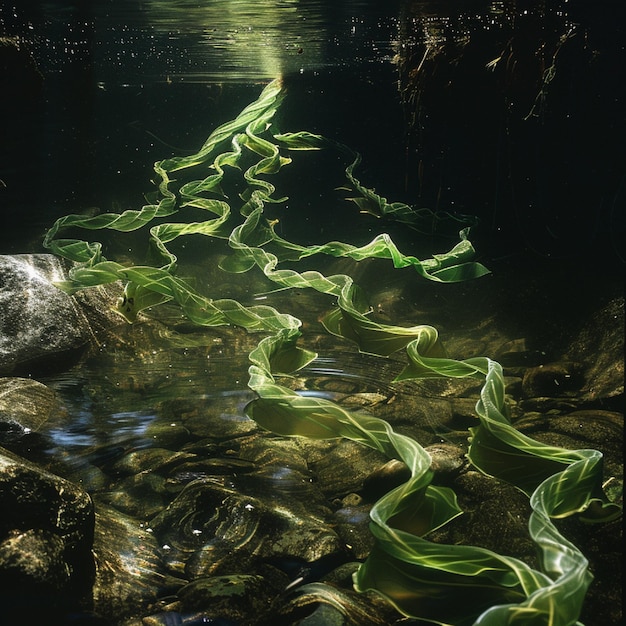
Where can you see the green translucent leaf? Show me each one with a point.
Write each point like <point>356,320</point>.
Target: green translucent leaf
<point>137,298</point>
<point>431,593</point>
<point>291,358</point>
<point>371,336</point>
<point>237,263</point>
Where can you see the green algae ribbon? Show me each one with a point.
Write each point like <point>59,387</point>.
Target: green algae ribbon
<point>416,575</point>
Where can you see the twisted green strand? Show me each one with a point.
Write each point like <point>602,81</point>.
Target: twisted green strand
<point>415,574</point>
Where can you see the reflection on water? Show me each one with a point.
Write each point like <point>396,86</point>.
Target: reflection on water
<point>238,41</point>
<point>105,409</point>
<point>129,43</point>
<point>87,431</point>
<point>222,41</point>
<point>111,428</point>
<point>102,415</point>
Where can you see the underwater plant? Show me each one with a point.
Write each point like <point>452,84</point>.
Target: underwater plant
<point>413,573</point>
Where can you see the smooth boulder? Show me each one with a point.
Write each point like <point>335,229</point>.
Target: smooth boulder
<point>38,322</point>
<point>46,534</point>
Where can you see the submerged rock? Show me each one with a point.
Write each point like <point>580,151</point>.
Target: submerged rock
<point>212,529</point>
<point>385,478</point>
<point>353,526</point>
<point>26,406</point>
<point>495,517</point>
<point>46,532</point>
<point>345,466</point>
<point>42,327</point>
<point>242,598</point>
<point>321,604</point>
<point>129,570</point>
<point>552,379</point>
<point>600,345</point>
<point>27,402</point>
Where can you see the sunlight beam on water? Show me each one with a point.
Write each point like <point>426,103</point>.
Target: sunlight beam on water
<point>215,42</point>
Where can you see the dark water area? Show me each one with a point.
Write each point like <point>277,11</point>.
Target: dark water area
<point>508,112</point>
<point>507,116</point>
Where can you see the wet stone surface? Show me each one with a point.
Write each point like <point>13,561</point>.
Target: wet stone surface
<point>129,568</point>
<point>42,328</point>
<point>38,323</point>
<point>46,535</point>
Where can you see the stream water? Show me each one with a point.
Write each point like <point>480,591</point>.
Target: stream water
<point>110,87</point>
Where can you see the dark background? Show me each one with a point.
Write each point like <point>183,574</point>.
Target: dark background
<point>512,112</point>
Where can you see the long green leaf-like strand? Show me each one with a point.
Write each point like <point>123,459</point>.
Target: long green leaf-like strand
<point>417,575</point>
